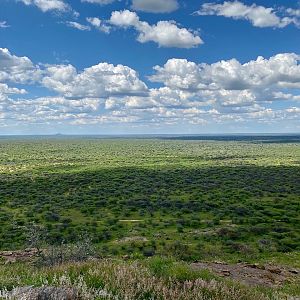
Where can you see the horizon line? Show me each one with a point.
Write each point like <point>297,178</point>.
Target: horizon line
<point>152,134</point>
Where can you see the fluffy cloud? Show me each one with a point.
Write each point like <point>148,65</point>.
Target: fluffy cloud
<point>17,69</point>
<point>94,21</point>
<point>101,80</point>
<point>99,24</point>
<point>50,109</point>
<point>155,6</point>
<point>228,86</point>
<point>5,93</point>
<point>47,5</point>
<point>6,90</point>
<point>259,16</point>
<point>279,71</point>
<point>78,26</point>
<point>225,92</point>
<point>164,33</point>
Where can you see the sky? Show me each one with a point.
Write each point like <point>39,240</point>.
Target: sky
<point>149,66</point>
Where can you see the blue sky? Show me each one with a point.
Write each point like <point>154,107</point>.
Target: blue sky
<point>149,66</point>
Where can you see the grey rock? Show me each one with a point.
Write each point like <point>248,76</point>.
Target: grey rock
<point>43,293</point>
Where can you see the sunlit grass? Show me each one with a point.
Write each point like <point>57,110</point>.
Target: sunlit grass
<point>152,279</point>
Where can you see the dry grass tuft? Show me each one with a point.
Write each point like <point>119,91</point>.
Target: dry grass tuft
<point>118,280</point>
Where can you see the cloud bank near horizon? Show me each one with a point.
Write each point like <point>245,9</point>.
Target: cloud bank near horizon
<point>189,93</point>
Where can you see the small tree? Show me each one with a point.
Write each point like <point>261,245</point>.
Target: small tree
<point>36,236</point>
<point>51,255</point>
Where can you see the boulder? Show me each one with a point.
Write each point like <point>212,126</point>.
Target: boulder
<point>43,293</point>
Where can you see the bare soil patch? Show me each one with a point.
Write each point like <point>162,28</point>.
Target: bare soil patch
<point>19,255</point>
<point>252,274</point>
<point>132,239</point>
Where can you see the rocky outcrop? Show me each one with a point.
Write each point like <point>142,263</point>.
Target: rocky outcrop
<point>19,255</point>
<point>43,293</point>
<point>251,274</point>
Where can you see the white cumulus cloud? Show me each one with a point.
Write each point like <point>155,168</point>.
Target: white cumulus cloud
<point>5,89</point>
<point>259,16</point>
<point>281,71</point>
<point>17,69</point>
<point>47,5</point>
<point>98,24</point>
<point>164,33</point>
<point>99,80</point>
<point>188,93</point>
<point>228,85</point>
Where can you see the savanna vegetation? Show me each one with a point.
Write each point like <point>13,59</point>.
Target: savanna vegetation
<point>144,209</point>
<point>190,199</point>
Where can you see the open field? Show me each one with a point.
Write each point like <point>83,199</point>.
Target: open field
<point>231,200</point>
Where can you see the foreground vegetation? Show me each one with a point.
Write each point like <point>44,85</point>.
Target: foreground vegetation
<point>193,200</point>
<point>154,278</point>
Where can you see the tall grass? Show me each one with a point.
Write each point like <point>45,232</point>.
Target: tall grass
<point>110,279</point>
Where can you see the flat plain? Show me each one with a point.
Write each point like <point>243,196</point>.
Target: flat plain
<point>196,199</point>
<point>162,217</point>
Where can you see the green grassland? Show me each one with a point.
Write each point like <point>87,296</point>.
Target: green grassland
<point>191,199</point>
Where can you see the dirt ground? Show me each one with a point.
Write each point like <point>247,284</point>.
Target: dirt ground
<point>252,274</point>
<point>21,255</point>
